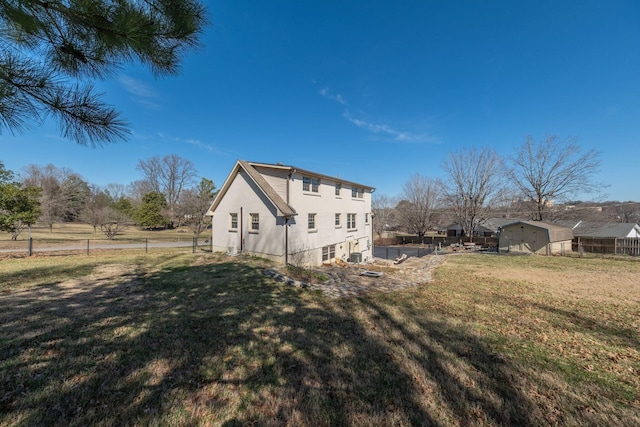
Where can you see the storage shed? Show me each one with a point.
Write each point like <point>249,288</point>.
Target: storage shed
<point>535,237</point>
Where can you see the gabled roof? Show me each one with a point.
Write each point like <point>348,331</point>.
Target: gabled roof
<point>489,224</point>
<point>284,209</point>
<point>494,224</point>
<point>605,229</point>
<point>571,223</point>
<point>557,233</point>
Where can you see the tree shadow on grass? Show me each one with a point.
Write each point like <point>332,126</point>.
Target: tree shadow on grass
<point>222,344</point>
<point>615,335</point>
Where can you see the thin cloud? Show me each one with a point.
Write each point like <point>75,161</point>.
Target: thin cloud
<point>210,148</point>
<point>141,93</point>
<point>326,92</point>
<point>396,134</point>
<point>197,143</point>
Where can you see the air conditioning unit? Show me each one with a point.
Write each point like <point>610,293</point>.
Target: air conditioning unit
<point>355,257</point>
<point>232,250</point>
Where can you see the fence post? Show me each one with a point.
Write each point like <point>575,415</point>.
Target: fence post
<point>193,245</point>
<point>87,246</point>
<point>146,246</point>
<point>580,253</point>
<point>30,246</point>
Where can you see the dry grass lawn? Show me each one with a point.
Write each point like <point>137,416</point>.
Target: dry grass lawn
<point>199,340</point>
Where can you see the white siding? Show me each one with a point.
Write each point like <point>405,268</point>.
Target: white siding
<point>277,179</point>
<point>270,240</point>
<point>245,198</point>
<point>325,204</point>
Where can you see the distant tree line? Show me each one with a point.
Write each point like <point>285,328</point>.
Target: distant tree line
<point>537,183</point>
<point>169,195</point>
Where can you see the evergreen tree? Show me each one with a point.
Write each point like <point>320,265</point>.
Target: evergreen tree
<point>19,206</point>
<point>149,215</point>
<point>50,50</point>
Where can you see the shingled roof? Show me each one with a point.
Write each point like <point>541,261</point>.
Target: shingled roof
<point>284,209</point>
<point>604,229</point>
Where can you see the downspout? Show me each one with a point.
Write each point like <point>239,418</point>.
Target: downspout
<point>372,227</point>
<point>286,221</point>
<point>286,240</point>
<point>241,232</point>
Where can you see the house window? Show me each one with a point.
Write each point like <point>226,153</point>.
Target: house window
<point>328,253</point>
<point>338,188</point>
<point>357,193</point>
<point>338,220</point>
<point>255,221</point>
<point>310,184</point>
<point>233,221</point>
<point>312,222</point>
<point>351,221</point>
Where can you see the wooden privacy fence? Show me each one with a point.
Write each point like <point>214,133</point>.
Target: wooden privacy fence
<point>611,245</point>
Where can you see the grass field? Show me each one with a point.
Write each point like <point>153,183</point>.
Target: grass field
<point>78,231</point>
<point>188,340</point>
<point>83,235</point>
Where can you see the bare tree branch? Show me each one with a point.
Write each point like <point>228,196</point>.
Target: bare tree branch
<point>474,180</point>
<point>551,170</point>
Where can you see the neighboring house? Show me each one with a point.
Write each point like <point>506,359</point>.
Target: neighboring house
<point>286,213</point>
<point>535,237</point>
<point>486,228</point>
<point>603,230</point>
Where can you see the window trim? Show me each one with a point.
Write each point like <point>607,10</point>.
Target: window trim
<point>254,225</point>
<point>328,253</point>
<point>338,220</point>
<point>233,218</point>
<point>312,226</point>
<point>310,184</point>
<point>352,221</point>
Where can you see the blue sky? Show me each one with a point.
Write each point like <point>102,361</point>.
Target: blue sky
<point>374,91</point>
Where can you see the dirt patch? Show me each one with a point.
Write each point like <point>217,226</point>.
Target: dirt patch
<point>348,280</point>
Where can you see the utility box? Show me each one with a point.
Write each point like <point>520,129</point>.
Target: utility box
<point>355,257</point>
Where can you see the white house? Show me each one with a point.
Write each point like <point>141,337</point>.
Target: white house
<point>603,230</point>
<point>279,212</point>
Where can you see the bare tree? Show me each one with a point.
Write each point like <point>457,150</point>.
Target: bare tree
<point>115,191</point>
<point>473,181</point>
<point>136,191</point>
<point>551,170</point>
<point>52,199</point>
<point>93,212</point>
<point>194,204</point>
<point>169,175</point>
<point>112,222</point>
<point>421,197</point>
<point>384,214</point>
<point>625,212</point>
